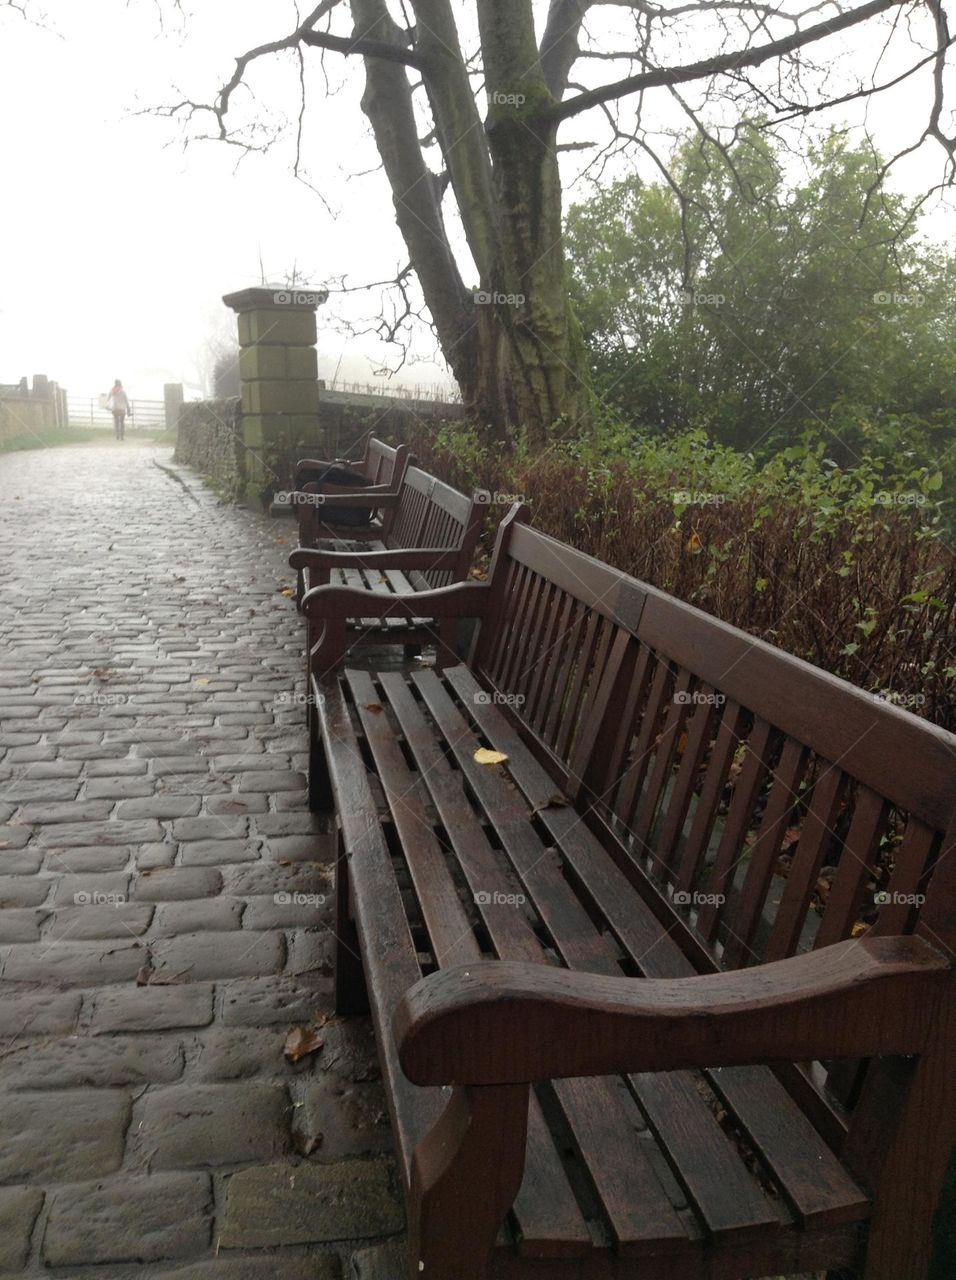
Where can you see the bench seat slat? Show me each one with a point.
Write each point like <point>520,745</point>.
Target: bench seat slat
<point>514,940</point>
<point>548,1215</point>
<point>769,1115</point>
<point>639,1213</point>
<point>448,926</point>
<point>731,1200</point>
<point>624,910</point>
<point>380,914</point>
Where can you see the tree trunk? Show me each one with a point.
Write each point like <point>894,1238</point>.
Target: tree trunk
<point>534,373</point>
<point>512,345</point>
<point>542,368</point>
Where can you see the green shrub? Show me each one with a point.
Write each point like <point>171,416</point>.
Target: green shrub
<point>849,569</point>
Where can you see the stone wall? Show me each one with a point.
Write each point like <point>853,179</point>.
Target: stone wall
<point>211,436</point>
<point>344,418</point>
<point>25,412</point>
<point>24,417</point>
<point>209,440</point>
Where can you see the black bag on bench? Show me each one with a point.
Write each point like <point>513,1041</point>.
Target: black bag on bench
<point>337,474</point>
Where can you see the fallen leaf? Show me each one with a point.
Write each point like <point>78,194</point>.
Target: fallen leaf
<point>484,756</point>
<point>300,1042</point>
<point>201,680</point>
<point>375,707</point>
<point>694,544</point>
<point>557,801</point>
<point>858,929</point>
<point>288,592</point>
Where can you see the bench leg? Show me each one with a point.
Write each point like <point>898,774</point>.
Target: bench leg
<point>351,995</point>
<point>466,1172</point>
<point>908,1167</point>
<point>320,783</point>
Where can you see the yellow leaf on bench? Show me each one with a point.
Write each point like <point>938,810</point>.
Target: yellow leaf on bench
<point>484,756</point>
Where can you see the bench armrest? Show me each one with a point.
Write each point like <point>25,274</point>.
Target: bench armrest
<point>461,600</point>
<point>401,558</point>
<point>497,1022</point>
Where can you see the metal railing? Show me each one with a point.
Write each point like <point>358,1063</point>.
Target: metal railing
<point>424,392</point>
<point>91,411</point>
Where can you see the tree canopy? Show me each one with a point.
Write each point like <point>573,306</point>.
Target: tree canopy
<point>759,305</point>
<point>470,106</point>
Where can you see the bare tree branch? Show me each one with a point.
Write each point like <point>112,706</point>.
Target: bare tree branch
<point>722,62</point>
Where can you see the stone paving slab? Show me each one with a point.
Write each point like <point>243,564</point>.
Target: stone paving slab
<point>155,949</point>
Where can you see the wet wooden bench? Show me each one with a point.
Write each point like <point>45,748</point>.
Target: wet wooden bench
<point>429,534</point>
<point>667,993</point>
<point>381,465</point>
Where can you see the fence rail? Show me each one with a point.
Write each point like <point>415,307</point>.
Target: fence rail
<point>423,392</point>
<point>91,411</point>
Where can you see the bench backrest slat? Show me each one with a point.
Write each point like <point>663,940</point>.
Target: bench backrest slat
<point>430,513</point>
<point>385,463</point>
<point>784,808</point>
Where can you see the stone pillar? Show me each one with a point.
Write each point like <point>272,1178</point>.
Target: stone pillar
<point>45,391</point>
<point>280,390</point>
<point>172,401</point>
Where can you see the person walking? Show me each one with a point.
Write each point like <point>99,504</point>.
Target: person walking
<point>118,404</point>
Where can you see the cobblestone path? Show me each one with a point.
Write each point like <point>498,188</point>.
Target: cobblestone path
<point>162,886</point>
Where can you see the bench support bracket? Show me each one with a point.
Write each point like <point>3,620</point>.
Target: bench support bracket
<point>466,1172</point>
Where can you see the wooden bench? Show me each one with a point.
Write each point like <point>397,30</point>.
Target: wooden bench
<point>429,535</point>
<point>630,1022</point>
<point>383,468</point>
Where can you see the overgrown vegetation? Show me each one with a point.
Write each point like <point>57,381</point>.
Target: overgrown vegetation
<point>760,305</point>
<point>778,375</point>
<point>846,568</point>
